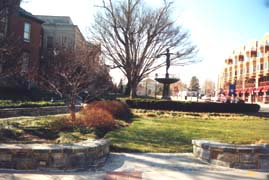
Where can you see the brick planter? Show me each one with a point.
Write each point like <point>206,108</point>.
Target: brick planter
<point>234,156</point>
<point>84,155</point>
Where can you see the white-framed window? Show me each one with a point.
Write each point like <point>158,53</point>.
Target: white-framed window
<point>1,68</point>
<point>261,67</point>
<point>2,26</point>
<point>258,67</point>
<point>265,65</point>
<point>27,32</point>
<point>254,69</point>
<point>25,62</point>
<point>250,69</point>
<point>50,42</point>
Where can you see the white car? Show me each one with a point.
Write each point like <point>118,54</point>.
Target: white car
<point>206,98</point>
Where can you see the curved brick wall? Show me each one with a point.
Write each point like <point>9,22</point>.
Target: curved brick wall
<point>234,156</point>
<point>68,157</point>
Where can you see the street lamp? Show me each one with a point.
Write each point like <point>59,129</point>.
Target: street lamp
<point>156,83</point>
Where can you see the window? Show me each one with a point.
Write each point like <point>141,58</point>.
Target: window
<point>3,24</point>
<point>50,42</point>
<point>261,67</point>
<point>64,41</point>
<point>235,72</point>
<point>25,62</point>
<point>241,71</point>
<point>258,67</point>
<point>2,27</point>
<point>254,69</point>
<point>266,65</point>
<point>27,32</point>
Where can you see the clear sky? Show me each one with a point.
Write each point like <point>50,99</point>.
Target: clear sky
<point>217,27</point>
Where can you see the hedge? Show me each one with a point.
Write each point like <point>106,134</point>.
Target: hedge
<point>28,104</point>
<point>194,106</point>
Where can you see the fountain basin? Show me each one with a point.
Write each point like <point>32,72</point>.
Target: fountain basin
<point>167,80</point>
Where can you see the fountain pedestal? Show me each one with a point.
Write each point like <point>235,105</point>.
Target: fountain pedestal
<point>166,85</point>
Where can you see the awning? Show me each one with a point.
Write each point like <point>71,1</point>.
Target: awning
<point>246,90</point>
<point>265,89</point>
<point>259,89</point>
<point>250,90</point>
<point>238,91</point>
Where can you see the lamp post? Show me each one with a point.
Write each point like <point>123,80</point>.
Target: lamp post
<point>146,87</point>
<point>156,76</point>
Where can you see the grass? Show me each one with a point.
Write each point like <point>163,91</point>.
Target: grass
<point>164,131</point>
<point>150,131</point>
<point>18,104</point>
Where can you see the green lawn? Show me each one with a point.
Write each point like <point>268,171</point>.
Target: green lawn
<point>159,131</point>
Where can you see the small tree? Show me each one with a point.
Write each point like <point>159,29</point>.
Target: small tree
<point>71,72</point>
<point>194,84</point>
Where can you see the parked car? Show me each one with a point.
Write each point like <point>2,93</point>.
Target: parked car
<point>206,98</point>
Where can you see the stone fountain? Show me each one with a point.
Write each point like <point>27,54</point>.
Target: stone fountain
<point>166,81</point>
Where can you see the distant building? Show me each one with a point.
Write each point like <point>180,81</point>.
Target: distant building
<point>146,88</point>
<point>248,70</point>
<point>59,32</point>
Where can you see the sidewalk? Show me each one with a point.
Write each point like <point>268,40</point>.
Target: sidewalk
<point>146,166</point>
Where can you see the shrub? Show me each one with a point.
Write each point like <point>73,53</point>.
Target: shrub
<point>119,110</point>
<point>193,106</point>
<point>99,119</point>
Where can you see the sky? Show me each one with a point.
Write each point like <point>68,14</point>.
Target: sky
<point>217,27</point>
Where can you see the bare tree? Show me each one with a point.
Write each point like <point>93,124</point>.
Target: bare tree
<point>71,72</point>
<point>133,36</point>
<point>194,84</point>
<point>10,46</point>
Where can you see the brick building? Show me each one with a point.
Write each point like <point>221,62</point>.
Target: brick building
<point>28,29</point>
<point>248,70</point>
<point>26,32</point>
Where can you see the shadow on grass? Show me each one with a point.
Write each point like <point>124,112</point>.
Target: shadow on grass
<point>42,133</point>
<point>259,114</point>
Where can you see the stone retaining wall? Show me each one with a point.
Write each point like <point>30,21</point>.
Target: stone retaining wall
<point>34,111</point>
<point>84,155</point>
<point>234,156</point>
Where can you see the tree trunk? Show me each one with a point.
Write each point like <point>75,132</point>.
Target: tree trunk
<point>127,89</point>
<point>133,90</point>
<point>72,109</point>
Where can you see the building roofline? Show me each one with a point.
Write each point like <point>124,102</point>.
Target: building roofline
<point>52,16</point>
<point>27,14</point>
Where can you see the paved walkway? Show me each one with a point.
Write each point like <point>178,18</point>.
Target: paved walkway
<point>146,166</point>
